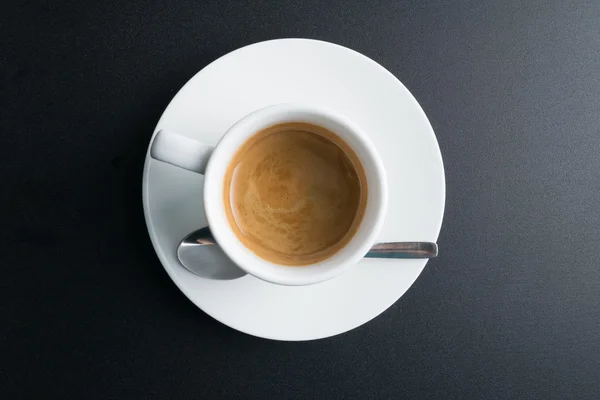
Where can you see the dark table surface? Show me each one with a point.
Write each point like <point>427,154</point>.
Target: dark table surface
<point>510,309</point>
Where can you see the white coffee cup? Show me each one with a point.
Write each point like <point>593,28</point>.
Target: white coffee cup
<point>212,162</point>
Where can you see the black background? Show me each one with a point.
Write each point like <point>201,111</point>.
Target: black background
<point>510,309</point>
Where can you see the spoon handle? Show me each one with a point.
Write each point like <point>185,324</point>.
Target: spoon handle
<point>381,250</point>
<point>403,250</point>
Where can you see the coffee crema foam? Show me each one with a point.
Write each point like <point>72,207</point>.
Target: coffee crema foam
<point>295,194</point>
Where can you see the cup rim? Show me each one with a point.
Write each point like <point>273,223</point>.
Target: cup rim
<point>244,257</point>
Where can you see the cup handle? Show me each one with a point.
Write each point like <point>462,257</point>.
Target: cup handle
<point>180,151</point>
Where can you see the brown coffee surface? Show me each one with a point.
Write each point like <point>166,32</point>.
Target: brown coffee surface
<point>295,193</point>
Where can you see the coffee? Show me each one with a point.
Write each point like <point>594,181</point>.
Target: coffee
<point>295,193</point>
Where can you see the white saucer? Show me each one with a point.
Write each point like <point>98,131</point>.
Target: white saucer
<point>327,75</point>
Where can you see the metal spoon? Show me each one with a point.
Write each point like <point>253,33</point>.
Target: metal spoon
<point>192,253</point>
